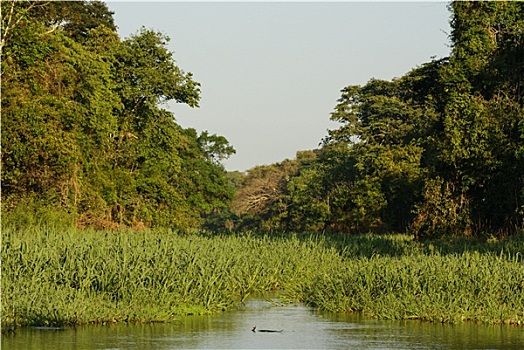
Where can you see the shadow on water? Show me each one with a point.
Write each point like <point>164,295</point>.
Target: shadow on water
<point>303,328</point>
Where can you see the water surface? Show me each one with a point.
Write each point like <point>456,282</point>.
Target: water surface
<point>303,328</point>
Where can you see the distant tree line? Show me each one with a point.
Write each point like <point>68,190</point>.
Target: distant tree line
<point>438,151</point>
<point>83,128</point>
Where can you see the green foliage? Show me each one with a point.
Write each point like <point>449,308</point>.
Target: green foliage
<point>478,138</point>
<point>308,210</point>
<point>34,211</point>
<point>262,199</point>
<point>441,213</point>
<point>53,277</point>
<point>76,18</point>
<point>419,287</point>
<point>83,127</point>
<point>437,151</point>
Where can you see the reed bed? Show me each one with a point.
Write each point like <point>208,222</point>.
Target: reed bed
<point>60,277</point>
<point>72,277</point>
<point>449,280</point>
<point>448,289</point>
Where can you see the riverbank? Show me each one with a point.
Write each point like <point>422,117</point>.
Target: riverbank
<point>54,277</point>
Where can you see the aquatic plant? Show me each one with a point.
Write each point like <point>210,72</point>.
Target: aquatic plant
<point>56,276</point>
<point>73,276</point>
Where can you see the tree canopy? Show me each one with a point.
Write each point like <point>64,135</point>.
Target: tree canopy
<point>437,151</point>
<point>83,127</point>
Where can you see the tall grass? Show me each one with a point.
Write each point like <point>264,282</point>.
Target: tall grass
<point>73,276</point>
<point>448,280</point>
<point>451,288</point>
<point>61,277</point>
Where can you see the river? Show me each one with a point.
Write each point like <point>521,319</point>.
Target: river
<point>302,328</point>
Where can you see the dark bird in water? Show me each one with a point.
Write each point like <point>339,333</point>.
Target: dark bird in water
<point>266,330</point>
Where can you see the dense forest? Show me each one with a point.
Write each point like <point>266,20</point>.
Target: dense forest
<point>83,128</point>
<point>438,151</point>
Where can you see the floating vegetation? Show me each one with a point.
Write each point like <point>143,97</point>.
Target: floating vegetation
<point>63,277</point>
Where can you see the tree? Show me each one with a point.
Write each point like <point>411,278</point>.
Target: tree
<point>14,15</point>
<point>309,205</point>
<point>382,128</point>
<point>83,128</point>
<point>474,158</point>
<point>435,152</point>
<point>57,105</point>
<point>261,200</point>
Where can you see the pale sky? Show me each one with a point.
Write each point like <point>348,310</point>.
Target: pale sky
<point>271,72</point>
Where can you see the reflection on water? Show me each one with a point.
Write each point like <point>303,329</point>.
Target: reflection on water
<point>303,328</point>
